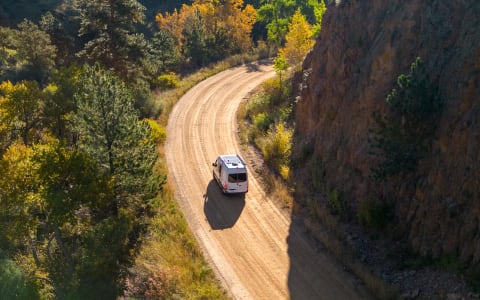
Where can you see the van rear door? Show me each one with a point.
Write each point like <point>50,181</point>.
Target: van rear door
<point>237,183</point>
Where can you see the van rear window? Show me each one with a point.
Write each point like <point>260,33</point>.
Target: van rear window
<point>239,177</point>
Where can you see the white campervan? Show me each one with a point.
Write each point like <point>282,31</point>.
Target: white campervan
<point>230,172</point>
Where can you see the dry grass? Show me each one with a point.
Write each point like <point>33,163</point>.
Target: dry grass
<point>326,228</point>
<point>171,248</point>
<point>277,188</point>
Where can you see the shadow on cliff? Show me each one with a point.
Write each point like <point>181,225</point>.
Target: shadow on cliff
<point>314,273</point>
<point>222,211</point>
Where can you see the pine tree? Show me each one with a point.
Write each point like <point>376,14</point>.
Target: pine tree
<point>403,136</point>
<point>109,28</point>
<point>110,132</point>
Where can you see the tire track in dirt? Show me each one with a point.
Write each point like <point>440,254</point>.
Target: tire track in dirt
<point>254,248</point>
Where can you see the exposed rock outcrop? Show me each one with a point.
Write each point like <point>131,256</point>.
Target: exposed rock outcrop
<point>362,49</point>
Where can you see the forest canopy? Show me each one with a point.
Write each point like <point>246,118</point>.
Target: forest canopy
<point>78,137</point>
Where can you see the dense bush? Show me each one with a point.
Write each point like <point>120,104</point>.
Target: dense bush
<point>262,121</point>
<point>269,112</point>
<point>14,284</point>
<point>278,147</point>
<point>158,132</point>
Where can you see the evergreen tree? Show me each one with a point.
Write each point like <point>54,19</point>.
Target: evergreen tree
<point>163,51</point>
<point>195,40</point>
<point>403,136</point>
<point>109,130</point>
<point>59,102</point>
<point>109,28</point>
<point>36,50</point>
<point>26,53</point>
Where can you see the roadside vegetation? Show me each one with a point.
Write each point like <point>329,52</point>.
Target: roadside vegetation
<point>86,208</point>
<point>266,122</point>
<point>170,245</point>
<point>85,93</point>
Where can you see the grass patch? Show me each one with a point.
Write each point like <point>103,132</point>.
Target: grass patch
<point>170,264</point>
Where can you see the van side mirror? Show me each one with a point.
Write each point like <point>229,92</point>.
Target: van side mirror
<point>214,164</point>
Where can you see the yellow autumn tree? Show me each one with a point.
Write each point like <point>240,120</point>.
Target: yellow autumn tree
<point>174,23</point>
<point>298,39</point>
<point>237,22</point>
<point>20,107</point>
<point>226,27</point>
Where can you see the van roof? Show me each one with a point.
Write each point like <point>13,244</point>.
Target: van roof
<point>233,161</point>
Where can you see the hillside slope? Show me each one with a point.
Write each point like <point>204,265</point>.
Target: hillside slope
<point>362,49</point>
<point>13,12</point>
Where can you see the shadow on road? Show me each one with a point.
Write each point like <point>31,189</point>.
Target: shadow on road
<point>252,67</point>
<point>256,66</point>
<point>222,211</point>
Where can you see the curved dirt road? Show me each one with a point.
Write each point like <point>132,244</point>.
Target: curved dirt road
<point>255,249</point>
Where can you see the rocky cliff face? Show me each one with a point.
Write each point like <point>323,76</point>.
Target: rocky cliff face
<point>362,49</point>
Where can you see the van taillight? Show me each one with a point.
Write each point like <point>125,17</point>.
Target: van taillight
<point>225,186</point>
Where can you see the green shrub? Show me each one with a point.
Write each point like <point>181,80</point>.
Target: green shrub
<point>259,104</point>
<point>271,87</point>
<point>285,112</point>
<point>262,121</point>
<point>373,213</point>
<point>278,146</point>
<point>14,283</point>
<point>337,204</point>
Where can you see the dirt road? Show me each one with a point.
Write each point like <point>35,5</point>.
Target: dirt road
<point>256,249</point>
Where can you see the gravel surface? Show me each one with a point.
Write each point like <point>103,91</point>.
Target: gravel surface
<point>255,248</point>
<point>391,264</point>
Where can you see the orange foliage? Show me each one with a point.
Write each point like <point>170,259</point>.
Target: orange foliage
<point>228,16</point>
